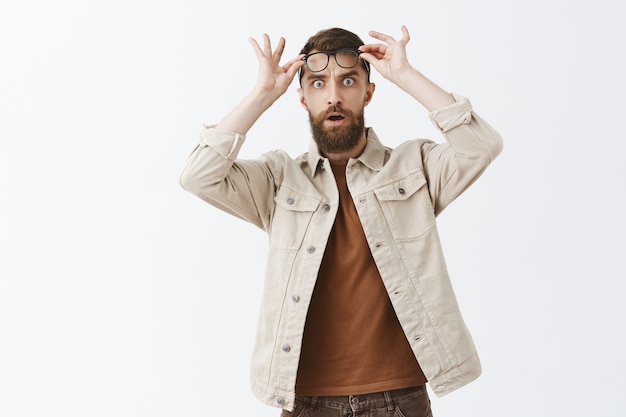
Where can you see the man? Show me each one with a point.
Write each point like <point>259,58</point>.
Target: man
<point>358,312</point>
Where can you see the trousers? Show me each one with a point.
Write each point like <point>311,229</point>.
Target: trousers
<point>406,402</point>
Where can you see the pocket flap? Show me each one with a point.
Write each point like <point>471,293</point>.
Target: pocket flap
<point>401,189</point>
<point>294,201</point>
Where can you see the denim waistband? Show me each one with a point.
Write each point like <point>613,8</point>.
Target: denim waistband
<point>361,402</point>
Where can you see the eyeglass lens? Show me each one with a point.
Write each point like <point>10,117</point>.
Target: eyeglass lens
<point>345,58</point>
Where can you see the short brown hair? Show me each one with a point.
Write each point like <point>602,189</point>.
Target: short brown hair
<point>327,40</point>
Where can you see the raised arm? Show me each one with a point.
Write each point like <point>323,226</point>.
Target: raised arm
<point>471,143</point>
<point>243,188</point>
<point>272,82</point>
<point>390,60</point>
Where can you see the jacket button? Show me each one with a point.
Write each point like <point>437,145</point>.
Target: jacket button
<point>286,348</point>
<point>280,400</point>
<point>310,249</point>
<point>326,207</point>
<point>290,201</point>
<point>401,190</point>
<point>295,298</point>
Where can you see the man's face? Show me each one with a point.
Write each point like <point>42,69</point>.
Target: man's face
<point>335,99</point>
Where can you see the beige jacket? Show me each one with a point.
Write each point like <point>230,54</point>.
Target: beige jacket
<point>397,192</point>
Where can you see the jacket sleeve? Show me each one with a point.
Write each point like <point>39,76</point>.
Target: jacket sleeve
<point>471,145</point>
<point>243,188</point>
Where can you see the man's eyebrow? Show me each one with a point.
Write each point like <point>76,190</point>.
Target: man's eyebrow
<point>316,76</point>
<point>322,75</point>
<point>350,73</point>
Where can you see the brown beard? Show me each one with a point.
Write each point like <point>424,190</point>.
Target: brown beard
<point>337,139</point>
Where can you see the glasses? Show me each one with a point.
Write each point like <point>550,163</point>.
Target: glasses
<point>345,58</point>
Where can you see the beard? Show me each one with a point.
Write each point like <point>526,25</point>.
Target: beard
<point>337,139</point>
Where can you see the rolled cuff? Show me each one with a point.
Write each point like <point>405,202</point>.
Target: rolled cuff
<point>456,114</point>
<point>225,143</point>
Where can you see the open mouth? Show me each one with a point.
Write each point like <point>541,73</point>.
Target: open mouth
<point>335,117</point>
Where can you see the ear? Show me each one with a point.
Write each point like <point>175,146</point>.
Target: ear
<point>302,99</point>
<point>369,93</point>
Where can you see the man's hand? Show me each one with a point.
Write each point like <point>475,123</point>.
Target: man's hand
<point>390,60</point>
<point>272,82</point>
<point>274,79</point>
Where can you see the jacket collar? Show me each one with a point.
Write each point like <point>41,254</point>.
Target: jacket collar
<point>373,156</point>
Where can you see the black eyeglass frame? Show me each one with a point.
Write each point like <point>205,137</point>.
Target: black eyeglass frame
<point>334,55</point>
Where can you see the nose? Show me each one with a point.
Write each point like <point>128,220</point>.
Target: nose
<point>334,93</point>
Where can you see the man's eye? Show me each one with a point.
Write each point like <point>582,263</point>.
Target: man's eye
<point>348,81</point>
<point>318,83</point>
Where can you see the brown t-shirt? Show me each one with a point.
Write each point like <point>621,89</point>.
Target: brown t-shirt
<point>353,342</point>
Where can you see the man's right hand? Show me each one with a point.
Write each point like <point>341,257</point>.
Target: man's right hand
<point>272,82</point>
<point>274,79</point>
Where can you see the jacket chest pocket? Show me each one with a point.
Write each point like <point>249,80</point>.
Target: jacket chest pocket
<point>407,206</point>
<point>292,215</point>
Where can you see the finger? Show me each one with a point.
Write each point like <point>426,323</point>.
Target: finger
<point>381,36</point>
<point>267,45</point>
<point>297,60</point>
<point>373,52</point>
<point>405,35</point>
<point>372,57</point>
<point>280,48</point>
<point>257,48</point>
<point>374,47</point>
<point>293,65</point>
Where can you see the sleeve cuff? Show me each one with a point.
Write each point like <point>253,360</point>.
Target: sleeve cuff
<point>227,144</point>
<point>456,114</point>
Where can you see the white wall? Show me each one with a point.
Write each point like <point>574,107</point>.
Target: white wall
<point>121,295</point>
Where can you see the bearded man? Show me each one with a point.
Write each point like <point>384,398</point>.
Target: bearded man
<point>358,312</point>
